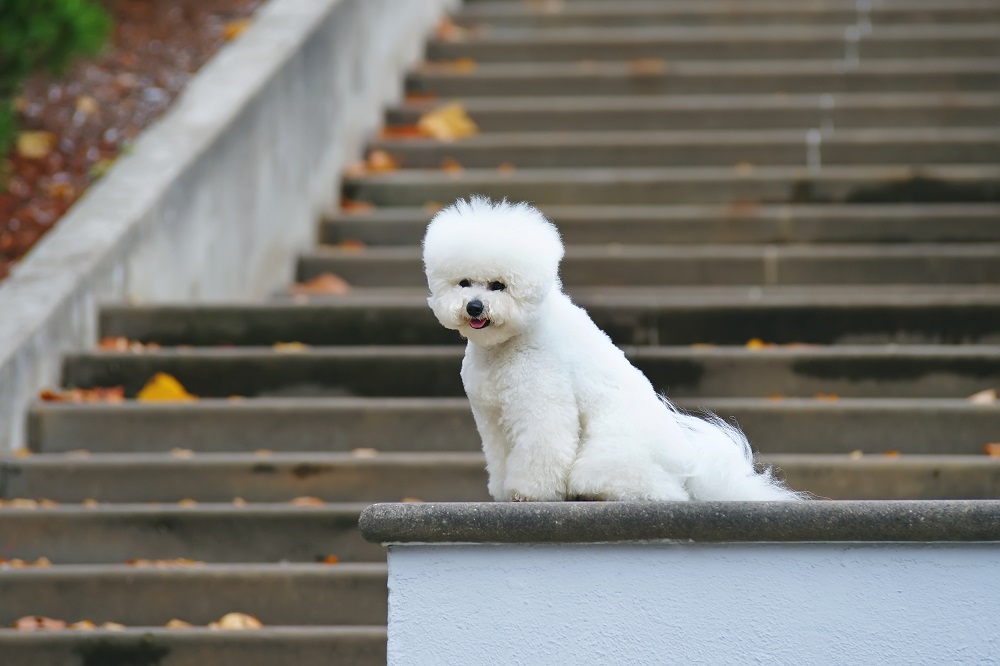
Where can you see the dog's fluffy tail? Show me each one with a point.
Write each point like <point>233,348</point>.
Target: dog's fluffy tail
<point>724,462</point>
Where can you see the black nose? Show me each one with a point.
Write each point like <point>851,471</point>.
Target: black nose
<point>474,308</point>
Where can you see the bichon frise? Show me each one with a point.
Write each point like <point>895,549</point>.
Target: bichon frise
<point>561,412</point>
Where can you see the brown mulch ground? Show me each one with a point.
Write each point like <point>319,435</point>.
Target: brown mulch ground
<point>100,104</point>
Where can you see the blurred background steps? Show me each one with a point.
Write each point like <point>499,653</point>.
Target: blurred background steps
<point>785,212</point>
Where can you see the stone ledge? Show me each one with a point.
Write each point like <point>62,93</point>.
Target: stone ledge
<point>705,522</point>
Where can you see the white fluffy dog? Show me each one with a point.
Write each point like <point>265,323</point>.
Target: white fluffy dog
<point>561,412</point>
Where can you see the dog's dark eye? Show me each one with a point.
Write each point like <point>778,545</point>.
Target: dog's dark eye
<point>497,286</point>
<point>464,283</point>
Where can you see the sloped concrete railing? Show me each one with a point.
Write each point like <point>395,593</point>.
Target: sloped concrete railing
<point>219,195</point>
<point>694,583</point>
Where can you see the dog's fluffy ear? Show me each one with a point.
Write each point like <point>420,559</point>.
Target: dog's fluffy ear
<point>484,240</point>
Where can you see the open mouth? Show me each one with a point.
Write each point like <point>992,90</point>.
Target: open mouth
<point>482,322</point>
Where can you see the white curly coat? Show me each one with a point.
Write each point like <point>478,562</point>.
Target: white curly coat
<point>561,412</point>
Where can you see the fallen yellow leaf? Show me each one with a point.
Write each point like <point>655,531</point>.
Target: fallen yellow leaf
<point>307,501</point>
<point>892,454</point>
<point>448,122</point>
<point>181,453</point>
<point>402,132</point>
<point>506,168</point>
<point>452,166</point>
<point>448,31</point>
<point>364,453</point>
<point>238,621</point>
<point>290,347</point>
<point>323,284</point>
<point>987,397</point>
<point>164,388</point>
<point>459,66</point>
<point>351,245</point>
<point>35,145</point>
<point>113,394</point>
<point>992,449</point>
<point>647,66</point>
<point>86,105</point>
<point>417,97</point>
<point>33,622</point>
<point>177,562</point>
<point>83,625</point>
<point>234,29</point>
<point>379,161</point>
<point>356,207</point>
<point>178,624</point>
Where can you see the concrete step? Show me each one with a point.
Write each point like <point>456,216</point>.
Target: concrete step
<point>719,111</point>
<point>486,16</point>
<point>668,315</point>
<point>276,477</point>
<point>220,533</point>
<point>414,425</point>
<point>705,148</point>
<point>710,76</point>
<point>285,594</point>
<point>816,223</point>
<point>358,646</point>
<point>677,43</point>
<point>799,370</point>
<point>646,148</point>
<point>953,183</point>
<point>441,477</point>
<point>669,265</point>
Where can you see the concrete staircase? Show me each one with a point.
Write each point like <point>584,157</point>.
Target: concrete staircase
<point>786,212</point>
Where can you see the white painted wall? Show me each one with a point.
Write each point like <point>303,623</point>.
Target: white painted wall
<point>771,603</point>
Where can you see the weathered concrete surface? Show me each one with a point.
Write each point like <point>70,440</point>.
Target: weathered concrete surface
<point>872,425</point>
<point>706,522</point>
<point>223,190</point>
<point>874,371</point>
<point>219,533</point>
<point>355,645</point>
<point>288,594</point>
<point>722,13</point>
<point>442,476</point>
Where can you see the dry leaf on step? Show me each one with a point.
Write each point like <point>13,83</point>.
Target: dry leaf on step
<point>648,66</point>
<point>448,122</point>
<point>324,284</point>
<point>236,621</point>
<point>164,388</point>
<point>987,397</point>
<point>34,622</point>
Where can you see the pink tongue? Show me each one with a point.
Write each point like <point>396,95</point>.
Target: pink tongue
<point>477,323</point>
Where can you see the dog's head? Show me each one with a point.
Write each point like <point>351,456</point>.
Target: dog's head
<point>489,267</point>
